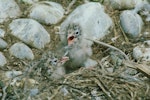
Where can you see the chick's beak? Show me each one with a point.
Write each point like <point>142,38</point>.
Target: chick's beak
<point>70,39</point>
<point>64,59</point>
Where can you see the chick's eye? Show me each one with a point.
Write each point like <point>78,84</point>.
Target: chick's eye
<point>55,60</point>
<point>77,33</point>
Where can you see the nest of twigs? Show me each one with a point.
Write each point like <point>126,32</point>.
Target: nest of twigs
<point>98,83</point>
<point>106,81</point>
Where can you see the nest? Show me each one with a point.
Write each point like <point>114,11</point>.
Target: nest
<point>106,81</point>
<point>98,83</point>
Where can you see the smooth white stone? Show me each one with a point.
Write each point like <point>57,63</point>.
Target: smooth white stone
<point>8,9</point>
<point>2,33</point>
<point>131,23</point>
<point>3,44</point>
<point>125,4</point>
<point>141,53</point>
<point>30,32</point>
<point>47,12</point>
<point>2,59</point>
<point>21,51</point>
<point>14,73</point>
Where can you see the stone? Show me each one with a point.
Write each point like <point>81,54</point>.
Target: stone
<point>47,12</point>
<point>143,9</point>
<point>147,42</point>
<point>141,53</point>
<point>30,32</point>
<point>125,4</point>
<point>131,23</point>
<point>12,74</point>
<point>3,44</point>
<point>34,92</point>
<point>21,51</point>
<point>2,33</point>
<point>8,9</point>
<point>2,59</point>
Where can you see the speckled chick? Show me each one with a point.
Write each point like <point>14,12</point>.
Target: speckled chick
<point>52,65</point>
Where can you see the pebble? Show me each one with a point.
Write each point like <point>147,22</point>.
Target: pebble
<point>30,32</point>
<point>47,12</point>
<point>141,53</point>
<point>147,42</point>
<point>2,33</point>
<point>13,73</point>
<point>131,23</point>
<point>125,4</point>
<point>2,59</point>
<point>34,92</point>
<point>8,9</point>
<point>144,9</point>
<point>3,44</point>
<point>21,51</point>
<point>64,91</point>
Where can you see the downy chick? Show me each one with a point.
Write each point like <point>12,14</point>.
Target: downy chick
<point>52,65</point>
<point>78,50</point>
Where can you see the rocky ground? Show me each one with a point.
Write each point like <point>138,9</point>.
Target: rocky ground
<point>113,78</point>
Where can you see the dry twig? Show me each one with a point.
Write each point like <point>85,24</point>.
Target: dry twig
<point>110,46</point>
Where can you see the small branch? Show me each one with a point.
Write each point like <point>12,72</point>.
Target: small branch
<point>125,37</point>
<point>69,6</point>
<point>110,46</point>
<point>141,67</point>
<point>56,92</point>
<point>103,88</point>
<point>4,92</point>
<point>80,92</point>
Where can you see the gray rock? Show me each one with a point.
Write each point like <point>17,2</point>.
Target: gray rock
<point>94,23</point>
<point>12,74</point>
<point>47,12</point>
<point>64,91</point>
<point>141,53</point>
<point>2,59</point>
<point>144,9</point>
<point>3,44</point>
<point>125,4</point>
<point>8,9</point>
<point>21,51</point>
<point>131,23</point>
<point>147,42</point>
<point>2,33</point>
<point>30,32</point>
<point>34,92</point>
